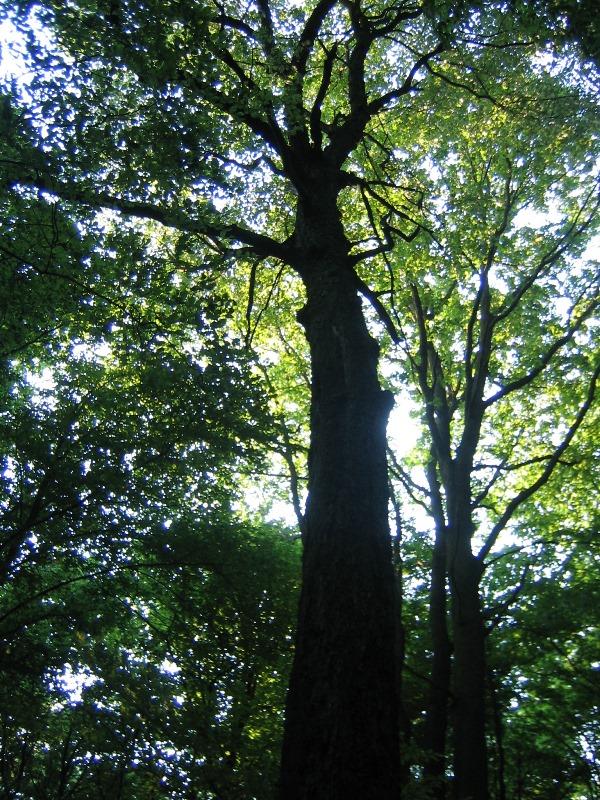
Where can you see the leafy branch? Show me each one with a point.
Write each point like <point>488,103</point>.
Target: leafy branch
<point>546,473</point>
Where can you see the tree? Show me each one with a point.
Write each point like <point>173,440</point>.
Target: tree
<point>263,136</point>
<point>178,666</point>
<point>133,599</point>
<point>543,655</point>
<point>510,310</point>
<point>122,428</point>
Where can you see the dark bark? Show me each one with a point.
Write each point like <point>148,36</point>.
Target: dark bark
<point>436,719</point>
<point>454,532</point>
<point>464,571</point>
<point>469,672</point>
<point>341,733</point>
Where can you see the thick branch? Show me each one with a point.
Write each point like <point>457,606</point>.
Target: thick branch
<point>408,85</point>
<point>238,108</point>
<point>315,114</point>
<point>476,376</point>
<point>427,352</point>
<point>233,23</point>
<point>437,504</point>
<point>266,25</point>
<point>309,35</point>
<point>172,217</point>
<point>379,308</point>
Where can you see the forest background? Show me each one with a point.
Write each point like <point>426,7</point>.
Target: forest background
<point>232,235</point>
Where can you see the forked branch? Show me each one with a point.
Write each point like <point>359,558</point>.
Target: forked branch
<point>543,478</point>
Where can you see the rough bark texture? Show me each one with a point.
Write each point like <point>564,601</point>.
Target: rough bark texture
<point>341,732</point>
<point>469,674</point>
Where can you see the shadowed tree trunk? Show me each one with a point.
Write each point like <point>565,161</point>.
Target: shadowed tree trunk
<point>468,638</point>
<point>436,720</point>
<point>470,757</point>
<point>454,527</point>
<point>276,101</point>
<point>341,734</point>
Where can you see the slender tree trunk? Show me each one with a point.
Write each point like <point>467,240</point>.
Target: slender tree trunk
<point>469,670</point>
<point>498,735</point>
<point>436,720</point>
<point>341,732</point>
<point>404,722</point>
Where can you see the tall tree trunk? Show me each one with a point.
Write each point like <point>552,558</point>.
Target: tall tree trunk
<point>498,735</point>
<point>404,722</point>
<point>436,719</point>
<point>469,670</point>
<point>341,731</point>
